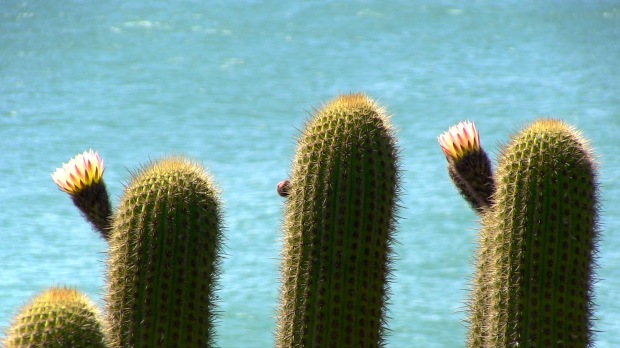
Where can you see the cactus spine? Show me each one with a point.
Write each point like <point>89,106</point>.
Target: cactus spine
<point>164,258</point>
<point>338,229</point>
<point>537,244</point>
<point>58,317</point>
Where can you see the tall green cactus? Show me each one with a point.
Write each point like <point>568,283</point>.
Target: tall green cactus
<point>164,258</point>
<point>537,244</point>
<point>338,229</point>
<point>58,317</point>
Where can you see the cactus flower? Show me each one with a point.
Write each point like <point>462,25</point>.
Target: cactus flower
<point>82,179</point>
<point>468,164</point>
<point>460,140</point>
<point>81,171</point>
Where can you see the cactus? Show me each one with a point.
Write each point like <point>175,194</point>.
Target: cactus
<point>58,317</point>
<point>535,261</point>
<point>164,258</point>
<point>338,229</point>
<point>82,179</point>
<point>471,172</point>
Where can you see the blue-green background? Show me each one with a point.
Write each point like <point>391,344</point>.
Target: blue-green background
<point>230,83</point>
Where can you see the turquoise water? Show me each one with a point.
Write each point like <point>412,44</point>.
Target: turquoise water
<point>230,84</point>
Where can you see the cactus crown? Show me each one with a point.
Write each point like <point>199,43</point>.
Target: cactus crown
<point>340,217</point>
<point>58,317</point>
<point>538,241</point>
<point>164,258</point>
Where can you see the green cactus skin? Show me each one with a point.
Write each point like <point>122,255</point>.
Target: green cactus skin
<point>534,284</point>
<point>338,229</point>
<point>58,317</point>
<point>164,258</point>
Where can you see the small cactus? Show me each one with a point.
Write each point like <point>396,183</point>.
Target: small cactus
<point>57,318</point>
<point>164,258</point>
<point>338,229</point>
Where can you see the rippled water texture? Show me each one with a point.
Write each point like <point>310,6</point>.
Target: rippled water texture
<point>230,84</point>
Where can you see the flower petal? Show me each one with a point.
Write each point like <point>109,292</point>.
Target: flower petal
<point>460,140</point>
<point>82,171</point>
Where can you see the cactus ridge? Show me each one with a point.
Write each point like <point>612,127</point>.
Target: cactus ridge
<point>58,317</point>
<point>538,243</point>
<point>339,226</point>
<point>164,258</point>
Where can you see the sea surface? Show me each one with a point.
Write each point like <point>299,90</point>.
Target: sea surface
<point>230,84</point>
